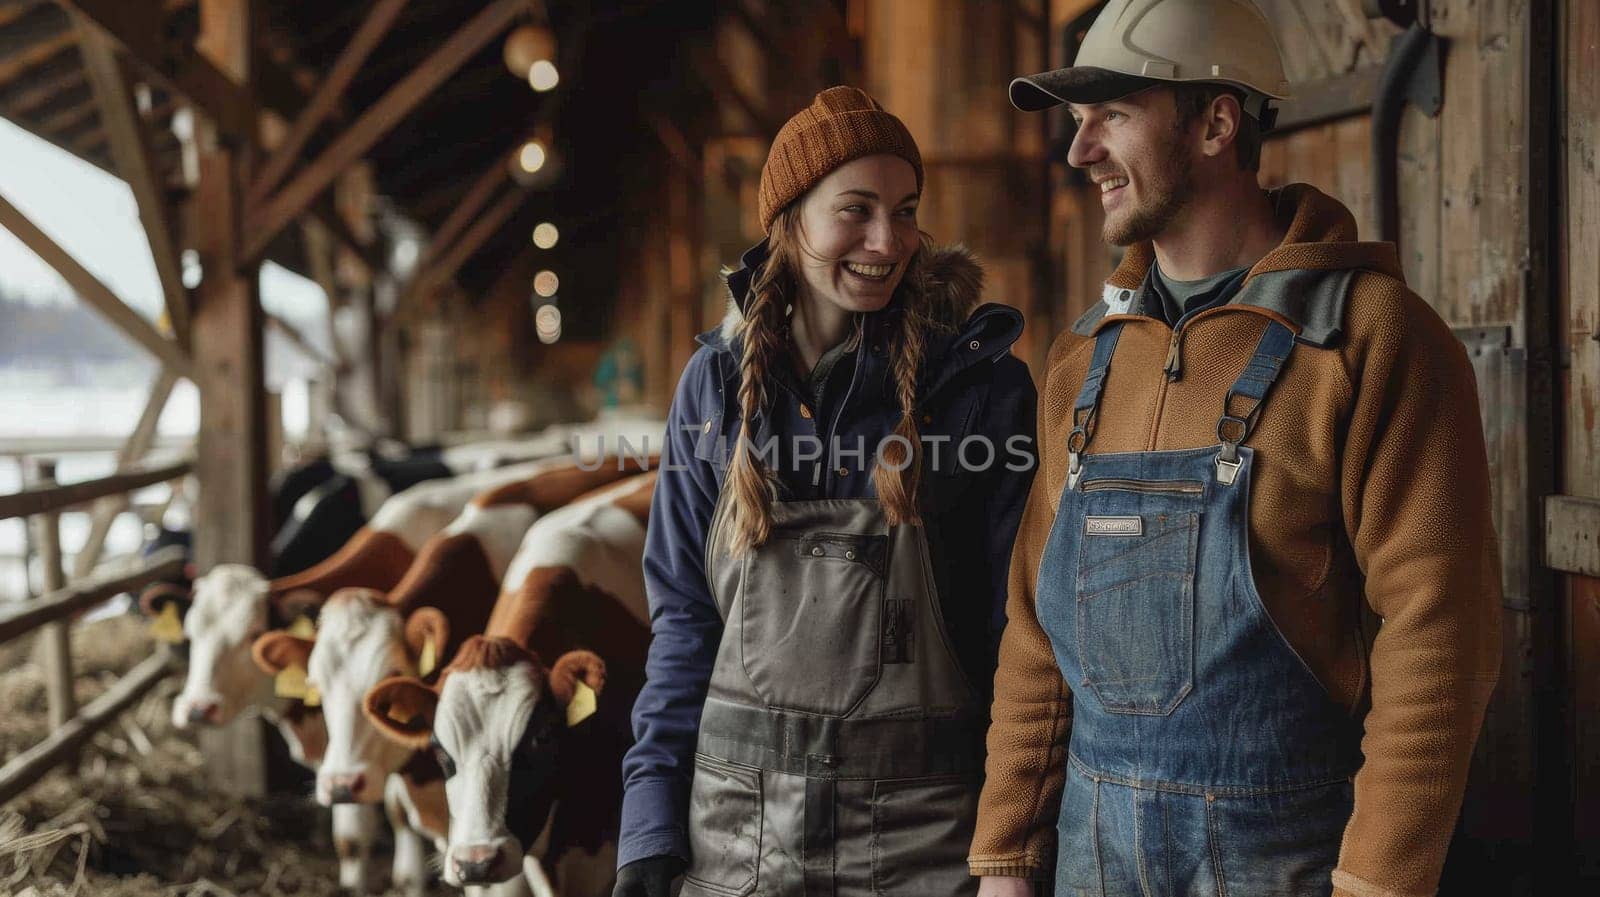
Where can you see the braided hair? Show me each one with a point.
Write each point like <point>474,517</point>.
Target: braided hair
<point>766,344</point>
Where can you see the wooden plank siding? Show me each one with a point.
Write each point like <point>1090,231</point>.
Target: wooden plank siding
<point>1578,342</point>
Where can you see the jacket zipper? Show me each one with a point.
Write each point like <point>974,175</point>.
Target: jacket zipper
<point>1172,368</point>
<point>1153,487</point>
<point>855,374</point>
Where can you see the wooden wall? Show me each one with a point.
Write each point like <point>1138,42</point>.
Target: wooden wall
<point>1578,343</point>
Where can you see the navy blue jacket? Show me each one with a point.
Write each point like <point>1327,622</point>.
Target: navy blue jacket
<point>971,386</point>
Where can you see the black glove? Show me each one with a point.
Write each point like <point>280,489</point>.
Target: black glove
<point>649,877</point>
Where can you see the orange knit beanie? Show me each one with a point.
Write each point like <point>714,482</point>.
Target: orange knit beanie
<point>842,124</point>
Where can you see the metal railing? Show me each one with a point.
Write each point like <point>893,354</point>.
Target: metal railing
<point>42,502</point>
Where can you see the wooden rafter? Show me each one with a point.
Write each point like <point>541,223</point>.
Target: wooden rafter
<point>472,202</point>
<point>471,241</point>
<point>727,90</point>
<point>137,27</point>
<point>677,146</point>
<point>34,56</point>
<point>378,22</point>
<point>295,196</point>
<point>367,254</point>
<point>132,451</point>
<point>132,149</point>
<point>91,290</point>
<point>51,96</point>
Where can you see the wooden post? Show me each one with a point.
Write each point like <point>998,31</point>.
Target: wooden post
<point>231,462</point>
<point>54,645</point>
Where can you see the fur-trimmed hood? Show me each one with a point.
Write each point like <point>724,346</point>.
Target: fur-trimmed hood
<point>951,287</point>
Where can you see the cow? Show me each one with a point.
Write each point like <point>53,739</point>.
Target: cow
<point>364,635</point>
<point>525,770</point>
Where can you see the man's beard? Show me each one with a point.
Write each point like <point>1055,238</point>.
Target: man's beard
<point>1170,192</point>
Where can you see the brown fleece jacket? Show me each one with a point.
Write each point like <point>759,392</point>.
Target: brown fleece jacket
<point>1370,484</point>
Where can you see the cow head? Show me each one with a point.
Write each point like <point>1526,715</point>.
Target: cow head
<point>496,722</point>
<point>360,641</point>
<point>226,612</point>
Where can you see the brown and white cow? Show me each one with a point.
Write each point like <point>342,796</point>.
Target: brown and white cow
<point>519,778</point>
<point>364,636</point>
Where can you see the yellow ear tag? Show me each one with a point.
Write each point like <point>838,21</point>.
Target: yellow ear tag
<point>290,682</point>
<point>302,627</point>
<point>312,697</point>
<point>429,657</point>
<point>582,705</point>
<point>166,627</point>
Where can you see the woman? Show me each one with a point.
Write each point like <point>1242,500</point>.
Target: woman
<point>846,462</point>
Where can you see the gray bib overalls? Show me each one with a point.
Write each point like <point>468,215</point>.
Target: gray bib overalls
<point>840,749</point>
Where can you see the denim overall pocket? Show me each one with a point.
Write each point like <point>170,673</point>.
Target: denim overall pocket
<point>1135,609</point>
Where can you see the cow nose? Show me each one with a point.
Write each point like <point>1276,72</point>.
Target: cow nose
<point>474,862</point>
<point>343,789</point>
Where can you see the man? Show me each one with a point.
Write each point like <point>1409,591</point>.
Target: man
<point>1256,429</point>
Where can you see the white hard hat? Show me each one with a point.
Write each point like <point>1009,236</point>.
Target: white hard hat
<point>1137,44</point>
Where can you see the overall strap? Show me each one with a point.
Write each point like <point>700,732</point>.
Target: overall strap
<point>1245,397</point>
<point>1087,407</point>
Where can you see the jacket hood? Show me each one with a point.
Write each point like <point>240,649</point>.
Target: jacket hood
<point>1320,235</point>
<point>965,330</point>
<point>1304,282</point>
<point>951,287</point>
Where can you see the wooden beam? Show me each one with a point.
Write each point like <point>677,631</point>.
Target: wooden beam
<point>29,766</point>
<point>472,202</point>
<point>727,90</point>
<point>91,290</point>
<point>23,98</point>
<point>39,24</point>
<point>44,499</point>
<point>138,27</point>
<point>293,335</point>
<point>107,509</point>
<point>34,56</point>
<point>295,196</point>
<point>132,149</point>
<point>370,257</point>
<point>470,242</point>
<point>378,22</point>
<point>677,146</point>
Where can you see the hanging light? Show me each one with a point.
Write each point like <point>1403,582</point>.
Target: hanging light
<point>547,323</point>
<point>543,75</point>
<point>545,283</point>
<point>528,45</point>
<point>532,156</point>
<point>545,235</point>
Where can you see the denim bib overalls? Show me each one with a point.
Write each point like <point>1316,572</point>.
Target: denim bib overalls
<point>1205,758</point>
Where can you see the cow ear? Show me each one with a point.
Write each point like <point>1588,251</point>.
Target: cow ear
<point>574,667</point>
<point>427,633</point>
<point>402,708</point>
<point>277,651</point>
<point>157,595</point>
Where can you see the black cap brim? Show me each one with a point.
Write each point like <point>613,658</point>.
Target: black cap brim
<point>1080,84</point>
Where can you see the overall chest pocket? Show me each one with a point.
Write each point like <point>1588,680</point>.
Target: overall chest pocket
<point>810,618</point>
<point>1136,609</point>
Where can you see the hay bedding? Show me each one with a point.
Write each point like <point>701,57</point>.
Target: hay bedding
<point>137,818</point>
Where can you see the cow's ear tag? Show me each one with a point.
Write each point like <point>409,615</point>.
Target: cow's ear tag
<point>312,697</point>
<point>582,705</point>
<point>429,658</point>
<point>290,683</point>
<point>166,627</point>
<point>302,627</point>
